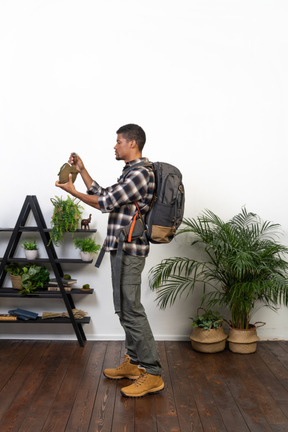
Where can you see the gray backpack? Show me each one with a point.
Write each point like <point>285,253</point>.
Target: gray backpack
<point>167,207</point>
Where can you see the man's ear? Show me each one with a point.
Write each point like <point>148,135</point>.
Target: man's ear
<point>132,144</point>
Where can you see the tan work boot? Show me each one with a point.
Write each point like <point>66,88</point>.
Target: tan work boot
<point>145,384</point>
<point>125,370</point>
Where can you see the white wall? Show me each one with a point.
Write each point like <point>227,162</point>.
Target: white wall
<point>207,80</point>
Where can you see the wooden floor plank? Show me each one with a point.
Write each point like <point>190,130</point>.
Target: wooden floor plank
<point>241,383</point>
<point>103,411</point>
<point>83,406</point>
<point>262,384</point>
<point>58,386</point>
<point>123,418</point>
<point>61,409</point>
<point>284,345</point>
<point>179,363</point>
<point>145,415</point>
<point>208,411</point>
<point>58,359</point>
<point>266,376</point>
<point>275,361</point>
<point>33,369</point>
<point>212,367</point>
<point>166,413</point>
<point>11,357</point>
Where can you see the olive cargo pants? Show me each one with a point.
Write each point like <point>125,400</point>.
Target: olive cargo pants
<point>139,342</point>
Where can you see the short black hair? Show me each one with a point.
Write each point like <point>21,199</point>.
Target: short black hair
<point>133,132</point>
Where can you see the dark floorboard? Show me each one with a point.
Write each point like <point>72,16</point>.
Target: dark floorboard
<point>58,386</point>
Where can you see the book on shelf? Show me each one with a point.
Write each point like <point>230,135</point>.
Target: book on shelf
<point>65,282</point>
<point>56,288</point>
<point>23,314</point>
<point>7,317</point>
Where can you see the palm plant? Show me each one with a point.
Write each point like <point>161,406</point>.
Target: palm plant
<point>244,265</point>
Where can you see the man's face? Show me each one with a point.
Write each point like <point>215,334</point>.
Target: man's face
<point>122,148</point>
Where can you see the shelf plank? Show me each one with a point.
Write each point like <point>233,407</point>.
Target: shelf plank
<point>36,229</point>
<point>11,292</point>
<point>39,320</point>
<point>46,260</point>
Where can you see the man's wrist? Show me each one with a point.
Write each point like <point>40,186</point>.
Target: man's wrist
<point>82,170</point>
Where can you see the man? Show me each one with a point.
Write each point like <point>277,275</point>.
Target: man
<point>137,186</point>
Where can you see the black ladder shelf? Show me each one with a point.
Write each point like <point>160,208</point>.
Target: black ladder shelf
<point>31,204</point>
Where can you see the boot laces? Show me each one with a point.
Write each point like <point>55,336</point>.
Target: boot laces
<point>142,378</point>
<point>123,364</point>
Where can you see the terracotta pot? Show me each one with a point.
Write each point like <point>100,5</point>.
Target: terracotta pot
<point>208,341</point>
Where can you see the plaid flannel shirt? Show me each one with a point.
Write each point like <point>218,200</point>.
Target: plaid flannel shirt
<point>118,200</point>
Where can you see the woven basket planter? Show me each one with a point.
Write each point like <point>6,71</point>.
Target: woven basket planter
<point>208,341</point>
<point>16,282</point>
<point>243,341</point>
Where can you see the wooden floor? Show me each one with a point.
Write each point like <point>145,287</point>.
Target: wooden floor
<point>58,386</point>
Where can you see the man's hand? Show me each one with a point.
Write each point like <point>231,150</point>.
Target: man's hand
<point>68,187</point>
<point>75,160</point>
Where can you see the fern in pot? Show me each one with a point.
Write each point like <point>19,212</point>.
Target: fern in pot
<point>244,266</point>
<point>65,218</point>
<point>88,247</point>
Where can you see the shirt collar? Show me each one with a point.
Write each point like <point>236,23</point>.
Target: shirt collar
<point>135,161</point>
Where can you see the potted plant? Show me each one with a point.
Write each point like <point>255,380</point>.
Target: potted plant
<point>30,248</point>
<point>243,265</point>
<point>33,277</point>
<point>66,215</point>
<point>208,335</point>
<point>15,272</point>
<point>87,247</point>
<point>27,278</point>
<point>86,287</point>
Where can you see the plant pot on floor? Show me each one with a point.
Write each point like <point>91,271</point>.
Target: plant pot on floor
<point>243,341</point>
<point>208,341</point>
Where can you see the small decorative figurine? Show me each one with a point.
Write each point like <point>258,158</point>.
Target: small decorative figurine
<point>85,222</point>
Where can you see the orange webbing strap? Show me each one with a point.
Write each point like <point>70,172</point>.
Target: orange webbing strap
<point>132,228</point>
<point>133,222</point>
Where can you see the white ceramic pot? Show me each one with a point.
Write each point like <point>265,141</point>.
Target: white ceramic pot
<point>86,256</point>
<point>31,254</point>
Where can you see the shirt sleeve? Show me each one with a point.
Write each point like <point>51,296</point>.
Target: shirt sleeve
<point>133,187</point>
<point>95,189</point>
